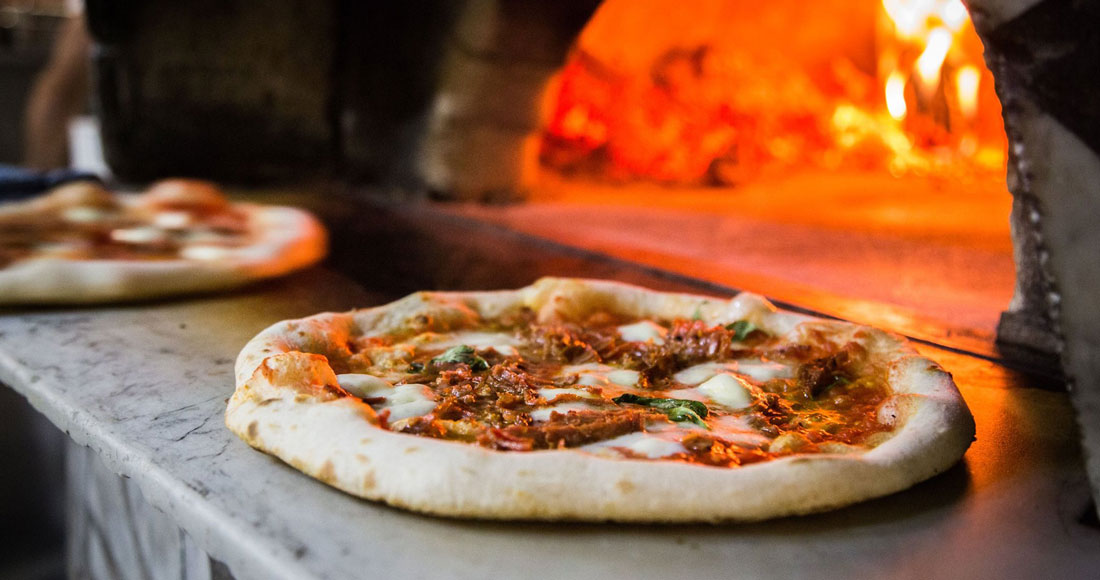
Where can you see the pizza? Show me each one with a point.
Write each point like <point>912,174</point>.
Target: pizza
<point>594,400</point>
<point>81,243</point>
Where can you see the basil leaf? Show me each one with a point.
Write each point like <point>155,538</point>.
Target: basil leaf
<point>741,329</point>
<point>677,409</point>
<point>680,414</point>
<point>416,367</point>
<point>462,354</point>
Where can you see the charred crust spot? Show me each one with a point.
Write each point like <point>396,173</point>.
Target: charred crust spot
<point>369,481</point>
<point>253,430</point>
<point>625,486</point>
<point>327,473</point>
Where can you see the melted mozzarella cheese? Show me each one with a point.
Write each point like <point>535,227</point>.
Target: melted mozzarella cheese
<point>205,237</point>
<point>502,342</point>
<point>764,371</point>
<point>643,331</point>
<point>727,390</point>
<point>139,235</point>
<point>173,220</point>
<point>363,385</point>
<point>623,377</point>
<point>410,400</point>
<point>651,445</point>
<point>403,401</point>
<point>588,374</point>
<point>205,253</point>
<point>701,372</point>
<point>598,375</point>
<point>543,414</point>
<point>551,393</point>
<point>756,369</point>
<point>736,429</point>
<point>592,380</point>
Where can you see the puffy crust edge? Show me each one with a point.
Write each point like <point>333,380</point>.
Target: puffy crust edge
<point>460,480</point>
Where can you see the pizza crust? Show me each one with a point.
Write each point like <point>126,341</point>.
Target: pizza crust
<point>283,239</point>
<point>281,409</point>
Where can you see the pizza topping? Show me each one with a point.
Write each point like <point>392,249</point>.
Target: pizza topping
<point>402,401</point>
<point>697,374</point>
<point>185,220</point>
<point>139,235</point>
<point>790,442</point>
<point>648,445</point>
<point>173,220</point>
<point>544,413</point>
<point>463,354</point>
<point>553,393</point>
<point>819,374</point>
<point>502,342</point>
<point>362,386</point>
<point>706,449</point>
<point>759,370</point>
<point>566,430</point>
<point>762,370</point>
<point>205,253</point>
<point>727,390</point>
<point>567,343</point>
<point>624,377</point>
<point>588,374</point>
<point>408,401</point>
<point>694,342</point>
<point>741,329</point>
<point>677,409</point>
<point>643,331</point>
<point>719,395</point>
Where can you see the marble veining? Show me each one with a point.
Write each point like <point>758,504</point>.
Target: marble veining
<point>145,387</point>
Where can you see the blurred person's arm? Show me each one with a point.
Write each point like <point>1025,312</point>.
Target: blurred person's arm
<point>59,93</point>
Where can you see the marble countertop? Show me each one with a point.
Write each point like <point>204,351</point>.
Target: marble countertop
<point>145,386</point>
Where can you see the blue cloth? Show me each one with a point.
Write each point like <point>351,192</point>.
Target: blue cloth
<point>18,183</point>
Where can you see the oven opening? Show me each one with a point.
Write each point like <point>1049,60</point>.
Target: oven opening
<point>733,92</point>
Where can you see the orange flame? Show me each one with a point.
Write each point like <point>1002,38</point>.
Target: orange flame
<point>895,96</point>
<point>909,95</point>
<point>967,81</point>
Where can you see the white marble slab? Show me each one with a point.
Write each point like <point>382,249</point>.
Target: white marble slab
<point>145,386</point>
